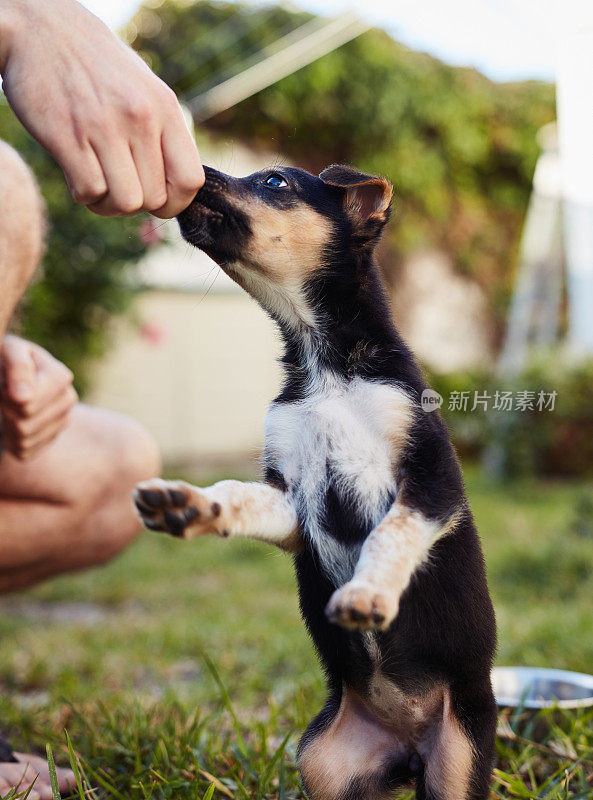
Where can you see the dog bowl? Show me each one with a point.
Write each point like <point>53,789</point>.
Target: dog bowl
<point>536,688</point>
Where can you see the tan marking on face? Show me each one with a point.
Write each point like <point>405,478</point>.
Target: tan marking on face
<point>354,745</point>
<point>449,765</point>
<point>287,245</point>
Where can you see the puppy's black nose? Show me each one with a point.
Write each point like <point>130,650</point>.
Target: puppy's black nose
<point>215,181</point>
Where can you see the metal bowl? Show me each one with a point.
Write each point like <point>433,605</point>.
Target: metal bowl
<point>537,687</point>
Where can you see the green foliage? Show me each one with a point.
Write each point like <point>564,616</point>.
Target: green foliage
<point>555,442</point>
<point>459,149</point>
<point>86,267</point>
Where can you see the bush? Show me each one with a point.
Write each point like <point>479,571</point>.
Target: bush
<point>459,148</point>
<point>554,442</point>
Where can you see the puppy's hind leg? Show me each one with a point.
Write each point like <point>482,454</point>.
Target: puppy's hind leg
<point>458,758</point>
<point>346,753</point>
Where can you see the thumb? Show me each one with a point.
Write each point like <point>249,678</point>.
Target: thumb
<point>18,370</point>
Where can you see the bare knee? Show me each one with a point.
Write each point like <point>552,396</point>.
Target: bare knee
<point>22,218</point>
<point>129,454</point>
<point>119,453</point>
<point>72,506</point>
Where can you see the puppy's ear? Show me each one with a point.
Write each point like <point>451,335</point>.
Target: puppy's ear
<point>367,198</point>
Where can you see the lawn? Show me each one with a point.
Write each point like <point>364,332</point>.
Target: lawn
<point>179,669</point>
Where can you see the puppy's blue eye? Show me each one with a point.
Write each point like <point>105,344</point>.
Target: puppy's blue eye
<point>276,180</point>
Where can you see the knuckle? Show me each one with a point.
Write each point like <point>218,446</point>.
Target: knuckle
<point>139,109</point>
<point>21,452</point>
<point>90,192</point>
<point>27,410</point>
<point>128,204</point>
<point>169,99</point>
<point>65,375</point>
<point>191,180</point>
<point>156,200</point>
<point>22,428</point>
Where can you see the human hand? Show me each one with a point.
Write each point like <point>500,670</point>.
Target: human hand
<point>36,397</point>
<point>116,130</point>
<point>32,771</point>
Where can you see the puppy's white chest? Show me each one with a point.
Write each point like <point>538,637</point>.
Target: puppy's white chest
<point>345,435</point>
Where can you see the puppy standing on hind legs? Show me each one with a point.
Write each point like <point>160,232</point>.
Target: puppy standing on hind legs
<point>361,486</point>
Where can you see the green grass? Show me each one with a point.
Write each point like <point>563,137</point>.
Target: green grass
<point>180,669</point>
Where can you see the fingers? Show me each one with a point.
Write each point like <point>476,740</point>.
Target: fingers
<point>114,127</point>
<point>31,427</point>
<point>22,776</point>
<point>84,175</point>
<point>125,195</point>
<point>148,160</point>
<point>31,423</point>
<point>148,167</point>
<point>26,437</point>
<point>6,787</point>
<point>18,370</point>
<point>183,168</point>
<point>39,765</point>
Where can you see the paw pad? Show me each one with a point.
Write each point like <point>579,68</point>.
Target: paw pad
<point>165,506</point>
<point>164,510</point>
<point>360,607</point>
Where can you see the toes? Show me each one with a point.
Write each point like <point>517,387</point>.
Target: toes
<point>145,510</point>
<point>174,523</point>
<point>154,526</point>
<point>179,499</point>
<point>165,507</point>
<point>378,617</point>
<point>357,609</point>
<point>177,521</point>
<point>153,498</point>
<point>190,514</point>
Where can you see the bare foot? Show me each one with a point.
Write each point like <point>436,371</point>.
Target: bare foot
<point>32,771</point>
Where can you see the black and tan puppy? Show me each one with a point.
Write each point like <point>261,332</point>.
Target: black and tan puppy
<point>362,485</point>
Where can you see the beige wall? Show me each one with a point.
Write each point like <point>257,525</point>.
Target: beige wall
<point>201,383</point>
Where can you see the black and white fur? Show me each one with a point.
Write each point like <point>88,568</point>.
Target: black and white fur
<point>361,485</point>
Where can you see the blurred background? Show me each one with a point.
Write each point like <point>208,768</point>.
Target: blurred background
<point>479,112</point>
<point>476,257</point>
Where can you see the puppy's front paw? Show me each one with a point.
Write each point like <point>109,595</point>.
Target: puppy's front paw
<point>360,606</point>
<point>177,508</point>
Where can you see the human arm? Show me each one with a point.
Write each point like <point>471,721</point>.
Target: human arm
<point>114,127</point>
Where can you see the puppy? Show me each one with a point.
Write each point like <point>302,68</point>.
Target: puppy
<point>361,485</point>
